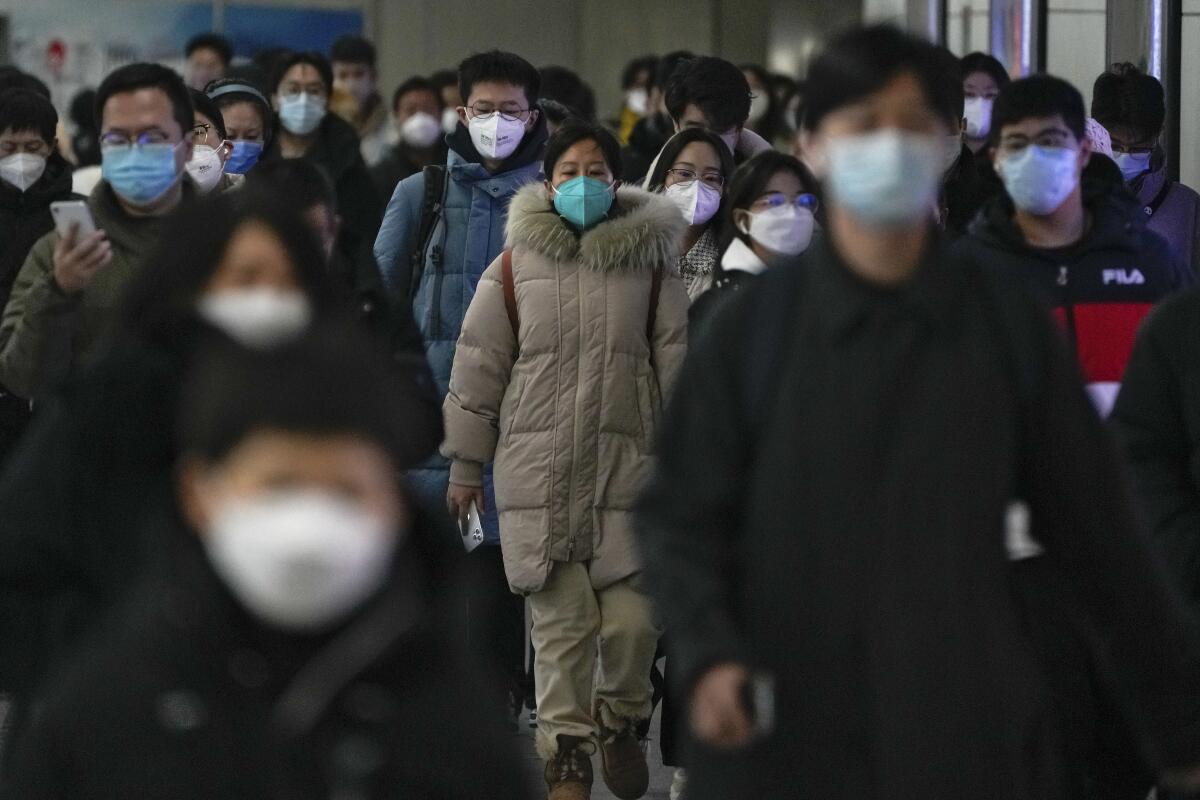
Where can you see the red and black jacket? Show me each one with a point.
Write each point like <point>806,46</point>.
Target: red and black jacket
<point>1099,288</point>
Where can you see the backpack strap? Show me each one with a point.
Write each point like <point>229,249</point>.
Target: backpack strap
<point>510,290</point>
<point>1152,208</point>
<point>431,212</point>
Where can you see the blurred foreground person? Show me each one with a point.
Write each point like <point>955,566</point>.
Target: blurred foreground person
<point>826,532</point>
<point>295,652</point>
<point>572,340</point>
<point>97,461</point>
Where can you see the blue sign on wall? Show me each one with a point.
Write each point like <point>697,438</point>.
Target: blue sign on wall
<point>252,28</point>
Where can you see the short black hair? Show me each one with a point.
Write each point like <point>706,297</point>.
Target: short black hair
<point>629,75</point>
<point>989,65</point>
<point>501,67</point>
<point>351,49</point>
<point>310,57</point>
<point>331,381</point>
<point>202,105</point>
<point>13,78</point>
<point>161,301</point>
<point>949,98</point>
<point>563,85</point>
<point>210,41</point>
<point>713,84</point>
<point>443,78</point>
<point>1038,96</point>
<point>666,67</point>
<point>750,180</point>
<point>301,184</point>
<point>23,110</point>
<point>555,113</point>
<point>416,84</point>
<point>674,146</point>
<point>577,130</point>
<point>862,61</point>
<point>1124,95</point>
<point>132,77</point>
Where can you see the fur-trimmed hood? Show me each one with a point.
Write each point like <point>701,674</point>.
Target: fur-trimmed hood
<point>646,235</point>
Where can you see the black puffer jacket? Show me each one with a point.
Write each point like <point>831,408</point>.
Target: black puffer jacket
<point>183,694</point>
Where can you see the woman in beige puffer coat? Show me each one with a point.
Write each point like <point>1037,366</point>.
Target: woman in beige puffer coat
<point>564,395</point>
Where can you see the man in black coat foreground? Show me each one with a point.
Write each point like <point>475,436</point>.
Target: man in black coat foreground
<point>297,652</point>
<point>826,532</point>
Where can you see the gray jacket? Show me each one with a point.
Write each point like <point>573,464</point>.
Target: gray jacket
<point>1177,218</point>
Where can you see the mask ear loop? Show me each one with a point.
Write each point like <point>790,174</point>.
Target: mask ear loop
<point>225,150</point>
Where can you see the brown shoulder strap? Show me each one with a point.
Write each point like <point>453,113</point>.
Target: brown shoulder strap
<point>510,290</point>
<point>656,279</point>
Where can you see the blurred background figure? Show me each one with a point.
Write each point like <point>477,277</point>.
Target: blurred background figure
<point>417,116</point>
<point>983,77</point>
<point>446,83</point>
<point>565,87</point>
<point>637,79</point>
<point>651,132</point>
<point>765,107</point>
<point>1131,106</point>
<point>356,79</point>
<point>208,57</point>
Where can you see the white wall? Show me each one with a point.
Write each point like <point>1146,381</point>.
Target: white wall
<point>968,23</point>
<point>1075,42</point>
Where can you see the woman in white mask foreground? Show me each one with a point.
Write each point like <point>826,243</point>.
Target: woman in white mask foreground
<point>98,458</point>
<point>691,171</point>
<point>770,216</point>
<point>310,644</point>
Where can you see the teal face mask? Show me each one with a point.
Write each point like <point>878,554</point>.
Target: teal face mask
<point>141,174</point>
<point>583,201</point>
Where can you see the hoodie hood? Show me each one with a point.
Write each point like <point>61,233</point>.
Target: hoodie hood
<point>55,184</point>
<point>644,233</point>
<point>1116,223</point>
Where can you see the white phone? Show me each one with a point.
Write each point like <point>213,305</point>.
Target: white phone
<point>66,212</point>
<point>471,528</point>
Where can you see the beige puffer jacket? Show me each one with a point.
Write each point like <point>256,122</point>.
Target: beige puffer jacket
<point>569,416</point>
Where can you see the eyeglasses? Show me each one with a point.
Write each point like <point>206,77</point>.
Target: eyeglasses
<point>511,113</point>
<point>714,179</point>
<point>1132,149</point>
<point>115,140</point>
<point>779,199</point>
<point>1052,138</point>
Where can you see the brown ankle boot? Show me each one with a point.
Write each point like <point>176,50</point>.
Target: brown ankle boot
<point>569,774</point>
<point>622,762</point>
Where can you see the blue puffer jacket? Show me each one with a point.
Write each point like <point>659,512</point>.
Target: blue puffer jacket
<point>467,238</point>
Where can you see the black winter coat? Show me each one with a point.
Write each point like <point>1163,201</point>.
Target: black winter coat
<point>25,218</point>
<point>183,694</point>
<point>831,511</point>
<point>335,149</point>
<point>1157,421</point>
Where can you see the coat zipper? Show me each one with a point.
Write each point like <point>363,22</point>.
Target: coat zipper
<point>575,416</point>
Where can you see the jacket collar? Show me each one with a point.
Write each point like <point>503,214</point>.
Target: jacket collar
<point>123,230</point>
<point>528,151</point>
<point>740,258</point>
<point>842,300</point>
<point>1115,225</point>
<point>643,234</point>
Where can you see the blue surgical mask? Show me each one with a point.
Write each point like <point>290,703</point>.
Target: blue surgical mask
<point>1132,164</point>
<point>244,156</point>
<point>886,178</point>
<point>300,114</point>
<point>1039,179</point>
<point>583,201</point>
<point>141,174</point>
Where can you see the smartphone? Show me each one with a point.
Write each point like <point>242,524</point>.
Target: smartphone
<point>66,212</point>
<point>471,528</point>
<point>758,698</point>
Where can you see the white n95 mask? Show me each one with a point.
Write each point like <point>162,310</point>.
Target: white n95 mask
<point>978,113</point>
<point>496,137</point>
<point>258,318</point>
<point>22,170</point>
<point>300,560</point>
<point>786,230</point>
<point>205,168</point>
<point>696,200</point>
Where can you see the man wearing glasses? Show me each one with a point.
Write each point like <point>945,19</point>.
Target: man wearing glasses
<point>69,286</point>
<point>1082,246</point>
<point>442,228</point>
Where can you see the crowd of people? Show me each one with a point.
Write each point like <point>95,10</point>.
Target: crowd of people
<point>337,438</point>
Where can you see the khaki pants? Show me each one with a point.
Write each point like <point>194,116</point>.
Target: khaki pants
<point>570,621</point>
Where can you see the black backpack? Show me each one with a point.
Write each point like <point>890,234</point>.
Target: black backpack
<point>432,206</point>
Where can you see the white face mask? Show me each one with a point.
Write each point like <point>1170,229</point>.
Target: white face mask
<point>759,104</point>
<point>258,318</point>
<point>1039,179</point>
<point>885,178</point>
<point>449,120</point>
<point>636,101</point>
<point>495,137</point>
<point>978,113</point>
<point>300,560</point>
<point>420,130</point>
<point>786,230</point>
<point>22,170</point>
<point>696,200</point>
<point>205,168</point>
